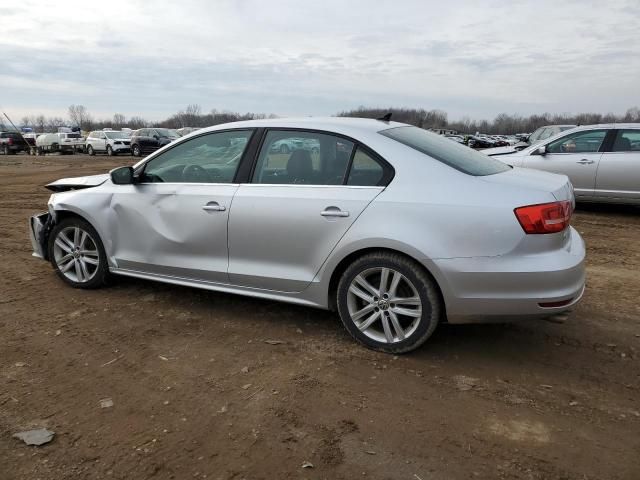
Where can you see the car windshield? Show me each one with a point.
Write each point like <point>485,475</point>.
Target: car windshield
<point>450,153</point>
<point>165,132</point>
<point>115,135</point>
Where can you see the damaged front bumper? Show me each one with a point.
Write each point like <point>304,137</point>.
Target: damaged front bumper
<point>39,228</point>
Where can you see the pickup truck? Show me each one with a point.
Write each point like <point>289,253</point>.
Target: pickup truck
<point>12,142</point>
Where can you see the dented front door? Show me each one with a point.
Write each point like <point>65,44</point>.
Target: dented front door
<point>172,229</point>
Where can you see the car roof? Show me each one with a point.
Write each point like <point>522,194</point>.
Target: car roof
<point>344,125</point>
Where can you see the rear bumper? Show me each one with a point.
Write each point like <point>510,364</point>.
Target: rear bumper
<point>504,288</point>
<point>39,226</point>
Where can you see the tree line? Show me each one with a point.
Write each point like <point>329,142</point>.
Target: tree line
<point>504,123</point>
<point>192,116</point>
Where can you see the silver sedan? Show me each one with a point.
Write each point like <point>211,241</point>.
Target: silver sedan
<point>395,228</point>
<point>602,161</point>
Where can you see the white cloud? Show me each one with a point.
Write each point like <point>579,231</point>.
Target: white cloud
<point>309,58</point>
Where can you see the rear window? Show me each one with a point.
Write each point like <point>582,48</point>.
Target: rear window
<point>450,153</point>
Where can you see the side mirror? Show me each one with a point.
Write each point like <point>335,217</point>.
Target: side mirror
<point>542,150</point>
<point>122,176</point>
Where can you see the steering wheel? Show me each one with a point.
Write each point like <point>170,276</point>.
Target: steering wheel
<point>195,174</point>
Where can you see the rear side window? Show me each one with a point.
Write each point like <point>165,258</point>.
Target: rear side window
<point>626,141</point>
<point>365,171</point>
<point>450,153</point>
<point>299,157</point>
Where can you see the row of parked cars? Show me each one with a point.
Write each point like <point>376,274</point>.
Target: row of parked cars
<point>110,142</point>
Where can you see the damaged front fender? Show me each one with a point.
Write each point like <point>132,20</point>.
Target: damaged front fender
<point>39,229</point>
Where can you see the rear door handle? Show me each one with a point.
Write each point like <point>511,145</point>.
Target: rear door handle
<point>214,207</point>
<point>584,161</point>
<point>334,212</point>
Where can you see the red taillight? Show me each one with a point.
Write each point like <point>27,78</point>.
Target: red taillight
<point>545,217</point>
<point>10,141</point>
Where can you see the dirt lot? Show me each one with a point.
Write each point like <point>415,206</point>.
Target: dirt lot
<point>197,393</point>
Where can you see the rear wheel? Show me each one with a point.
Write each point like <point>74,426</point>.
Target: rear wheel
<point>5,150</point>
<point>109,151</point>
<point>388,302</point>
<point>90,150</point>
<point>77,254</point>
<point>136,150</point>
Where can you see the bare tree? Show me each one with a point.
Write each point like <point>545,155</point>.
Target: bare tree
<point>119,120</point>
<point>40,122</point>
<point>79,116</point>
<point>136,122</point>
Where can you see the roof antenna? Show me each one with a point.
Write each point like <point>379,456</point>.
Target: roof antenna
<point>385,118</point>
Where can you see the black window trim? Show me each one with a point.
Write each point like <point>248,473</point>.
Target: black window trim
<point>387,168</point>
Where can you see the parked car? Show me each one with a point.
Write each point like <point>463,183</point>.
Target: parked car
<point>455,138</point>
<point>386,241</point>
<point>109,142</point>
<point>602,161</point>
<point>476,141</point>
<point>64,143</point>
<point>12,143</point>
<point>148,140</point>
<point>536,137</point>
<point>186,130</point>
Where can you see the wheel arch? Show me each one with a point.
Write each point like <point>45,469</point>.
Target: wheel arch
<point>347,260</point>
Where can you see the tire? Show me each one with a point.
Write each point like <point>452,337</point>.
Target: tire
<point>382,324</point>
<point>109,151</point>
<point>39,151</point>
<point>5,150</point>
<point>135,150</point>
<point>66,249</point>
<point>91,151</point>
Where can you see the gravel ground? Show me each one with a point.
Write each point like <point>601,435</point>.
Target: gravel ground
<point>197,391</point>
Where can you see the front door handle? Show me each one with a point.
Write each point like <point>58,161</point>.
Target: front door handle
<point>584,161</point>
<point>214,207</point>
<point>334,212</point>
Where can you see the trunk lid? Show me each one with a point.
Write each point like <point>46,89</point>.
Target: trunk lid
<point>558,185</point>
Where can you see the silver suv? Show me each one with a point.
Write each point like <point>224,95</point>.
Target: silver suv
<point>109,142</point>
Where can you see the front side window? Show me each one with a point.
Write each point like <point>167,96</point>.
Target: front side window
<point>588,141</point>
<point>210,158</point>
<point>450,153</point>
<point>626,141</point>
<point>307,158</point>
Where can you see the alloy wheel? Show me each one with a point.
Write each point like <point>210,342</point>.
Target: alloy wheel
<point>384,305</point>
<point>76,254</point>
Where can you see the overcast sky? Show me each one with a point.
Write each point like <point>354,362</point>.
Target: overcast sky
<point>319,57</point>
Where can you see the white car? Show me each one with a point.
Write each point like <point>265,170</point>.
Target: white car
<point>109,142</point>
<point>602,161</point>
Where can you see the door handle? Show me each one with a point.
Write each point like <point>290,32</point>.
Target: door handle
<point>334,212</point>
<point>214,207</point>
<point>584,161</point>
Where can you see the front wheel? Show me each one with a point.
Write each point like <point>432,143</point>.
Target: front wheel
<point>136,150</point>
<point>91,151</point>
<point>77,254</point>
<point>388,302</point>
<point>109,151</point>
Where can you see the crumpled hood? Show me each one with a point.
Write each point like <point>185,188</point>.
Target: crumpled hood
<point>499,150</point>
<point>76,183</point>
